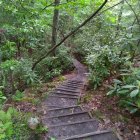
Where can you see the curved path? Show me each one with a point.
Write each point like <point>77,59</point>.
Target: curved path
<point>66,119</point>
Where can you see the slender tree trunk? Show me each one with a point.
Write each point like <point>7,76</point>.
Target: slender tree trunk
<point>119,19</point>
<point>55,25</point>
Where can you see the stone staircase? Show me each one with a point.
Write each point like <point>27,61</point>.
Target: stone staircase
<point>66,120</point>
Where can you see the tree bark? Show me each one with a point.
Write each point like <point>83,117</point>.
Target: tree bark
<point>70,34</point>
<point>119,19</point>
<point>55,25</point>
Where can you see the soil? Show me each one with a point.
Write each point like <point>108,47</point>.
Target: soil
<point>104,108</point>
<point>112,116</point>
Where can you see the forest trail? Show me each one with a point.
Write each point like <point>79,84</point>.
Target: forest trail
<point>65,119</point>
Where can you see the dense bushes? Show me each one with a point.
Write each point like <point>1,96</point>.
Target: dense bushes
<point>16,74</point>
<point>127,88</point>
<point>13,125</point>
<point>55,65</point>
<point>102,61</point>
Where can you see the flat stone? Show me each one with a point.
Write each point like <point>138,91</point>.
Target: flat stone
<point>63,111</point>
<point>67,90</point>
<point>69,118</point>
<point>69,87</point>
<point>63,96</point>
<point>65,93</point>
<point>63,131</point>
<point>102,135</point>
<point>73,85</point>
<point>60,102</point>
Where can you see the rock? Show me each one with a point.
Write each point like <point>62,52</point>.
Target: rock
<point>33,123</point>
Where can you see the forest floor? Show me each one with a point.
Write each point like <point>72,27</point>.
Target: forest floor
<point>33,96</point>
<point>105,108</point>
<point>111,115</point>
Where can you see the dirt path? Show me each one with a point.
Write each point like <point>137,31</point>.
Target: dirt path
<point>66,119</point>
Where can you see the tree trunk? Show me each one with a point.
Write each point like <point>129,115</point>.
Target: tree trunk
<point>119,19</point>
<point>55,25</point>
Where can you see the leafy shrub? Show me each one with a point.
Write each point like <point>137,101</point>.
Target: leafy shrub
<point>54,66</point>
<point>13,125</point>
<point>8,69</point>
<point>20,126</point>
<point>8,50</point>
<point>18,96</point>
<point>6,124</point>
<point>24,71</point>
<point>102,62</point>
<point>2,98</point>
<point>128,89</point>
<point>17,74</point>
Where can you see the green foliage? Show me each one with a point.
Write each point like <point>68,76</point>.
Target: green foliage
<point>17,74</point>
<point>2,98</point>
<point>13,125</point>
<point>102,62</point>
<point>128,89</point>
<point>41,129</point>
<point>18,96</point>
<point>54,66</point>
<point>6,123</point>
<point>105,44</point>
<point>8,50</point>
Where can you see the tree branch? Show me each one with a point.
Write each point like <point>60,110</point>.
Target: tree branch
<point>133,12</point>
<point>110,7</point>
<point>71,33</point>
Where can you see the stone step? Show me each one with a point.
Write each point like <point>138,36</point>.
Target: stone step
<point>65,93</point>
<point>67,90</point>
<point>60,132</point>
<point>70,87</point>
<point>63,96</point>
<point>60,102</point>
<point>73,85</point>
<point>49,107</point>
<point>74,81</point>
<point>63,111</point>
<point>68,118</point>
<point>98,135</point>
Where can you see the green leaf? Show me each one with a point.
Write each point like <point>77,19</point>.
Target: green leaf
<point>123,91</point>
<point>134,110</point>
<point>3,97</point>
<point>134,93</point>
<point>11,68</point>
<point>129,86</point>
<point>110,92</point>
<point>117,81</point>
<point>138,103</point>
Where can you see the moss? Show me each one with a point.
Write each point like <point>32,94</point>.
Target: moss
<point>99,115</point>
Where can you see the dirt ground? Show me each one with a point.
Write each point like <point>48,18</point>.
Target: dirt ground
<point>107,110</point>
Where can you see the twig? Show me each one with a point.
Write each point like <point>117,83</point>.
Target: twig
<point>133,12</point>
